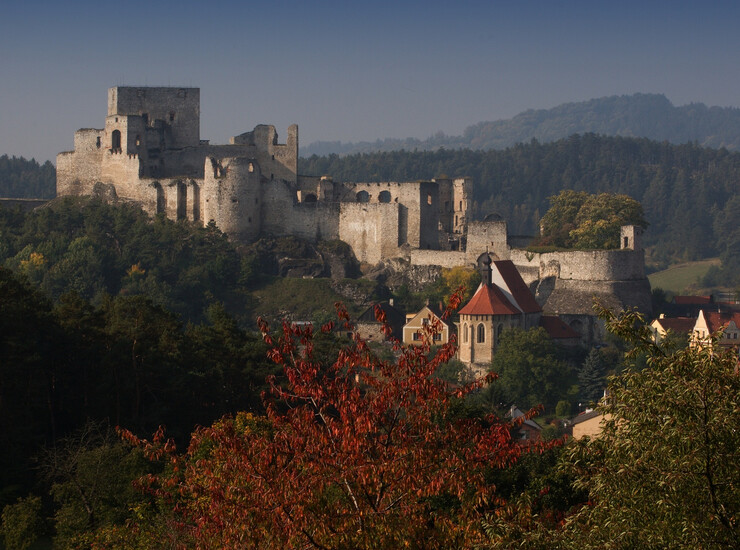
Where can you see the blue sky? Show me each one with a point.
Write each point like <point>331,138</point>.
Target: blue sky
<point>352,71</point>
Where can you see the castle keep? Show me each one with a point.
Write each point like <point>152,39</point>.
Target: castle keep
<point>150,152</point>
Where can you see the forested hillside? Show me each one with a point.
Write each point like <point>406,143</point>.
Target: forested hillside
<point>26,179</point>
<point>685,190</point>
<point>651,116</point>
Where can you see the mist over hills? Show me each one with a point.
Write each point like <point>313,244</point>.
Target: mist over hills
<point>650,116</point>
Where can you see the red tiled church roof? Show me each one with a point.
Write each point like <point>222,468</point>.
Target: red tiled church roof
<point>519,290</point>
<point>489,300</point>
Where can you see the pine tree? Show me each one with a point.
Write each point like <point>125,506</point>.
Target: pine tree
<point>592,377</point>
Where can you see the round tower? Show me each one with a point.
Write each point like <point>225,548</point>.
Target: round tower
<point>233,197</point>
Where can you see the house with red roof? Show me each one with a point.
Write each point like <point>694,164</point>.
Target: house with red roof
<point>710,322</point>
<point>661,326</point>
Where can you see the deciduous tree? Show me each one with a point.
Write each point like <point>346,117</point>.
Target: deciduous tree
<point>360,453</point>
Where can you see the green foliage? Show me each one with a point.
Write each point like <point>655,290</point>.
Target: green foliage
<point>663,472</point>
<point>91,474</point>
<point>530,371</point>
<point>592,378</point>
<point>94,248</point>
<point>22,523</point>
<point>583,221</point>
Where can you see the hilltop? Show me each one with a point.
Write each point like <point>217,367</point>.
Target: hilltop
<point>650,116</point>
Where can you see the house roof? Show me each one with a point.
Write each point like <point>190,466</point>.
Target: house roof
<point>518,288</point>
<point>515,413</point>
<point>556,328</point>
<point>716,320</point>
<point>585,416</point>
<point>679,325</point>
<point>489,300</point>
<point>426,312</point>
<point>394,317</point>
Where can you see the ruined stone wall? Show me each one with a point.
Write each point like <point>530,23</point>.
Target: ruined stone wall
<point>179,108</point>
<point>585,265</point>
<point>442,258</point>
<point>314,221</point>
<point>370,229</point>
<point>78,170</point>
<point>487,237</point>
<point>262,144</point>
<point>462,193</point>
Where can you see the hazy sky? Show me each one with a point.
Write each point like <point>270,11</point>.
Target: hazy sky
<point>352,71</point>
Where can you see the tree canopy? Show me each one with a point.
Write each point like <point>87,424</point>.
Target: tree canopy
<point>582,221</point>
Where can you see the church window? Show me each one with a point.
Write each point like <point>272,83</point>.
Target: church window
<point>384,196</point>
<point>363,196</point>
<point>481,333</point>
<point>465,333</point>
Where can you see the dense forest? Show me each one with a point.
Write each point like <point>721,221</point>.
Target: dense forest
<point>26,179</point>
<point>650,116</point>
<point>686,191</point>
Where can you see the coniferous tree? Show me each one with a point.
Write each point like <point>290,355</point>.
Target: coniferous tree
<point>592,377</point>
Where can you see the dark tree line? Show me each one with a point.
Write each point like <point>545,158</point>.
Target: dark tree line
<point>26,179</point>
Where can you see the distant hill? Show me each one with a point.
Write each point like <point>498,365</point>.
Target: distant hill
<point>651,116</point>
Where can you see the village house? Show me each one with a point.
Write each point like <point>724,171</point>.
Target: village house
<point>426,323</point>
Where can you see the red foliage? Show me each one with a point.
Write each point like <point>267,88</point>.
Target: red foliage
<point>355,454</point>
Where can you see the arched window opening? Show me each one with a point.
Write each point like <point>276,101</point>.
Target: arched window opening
<point>160,198</point>
<point>97,143</point>
<point>363,196</point>
<point>116,140</point>
<point>481,333</point>
<point>465,333</point>
<point>384,196</point>
<point>182,201</point>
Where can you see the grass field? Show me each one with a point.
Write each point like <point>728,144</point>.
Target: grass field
<point>681,277</point>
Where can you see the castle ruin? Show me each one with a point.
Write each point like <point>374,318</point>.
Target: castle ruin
<point>150,152</point>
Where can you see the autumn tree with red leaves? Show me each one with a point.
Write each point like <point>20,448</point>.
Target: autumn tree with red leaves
<point>361,453</point>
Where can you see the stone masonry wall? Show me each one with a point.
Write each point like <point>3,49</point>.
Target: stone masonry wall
<point>178,107</point>
<point>370,229</point>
